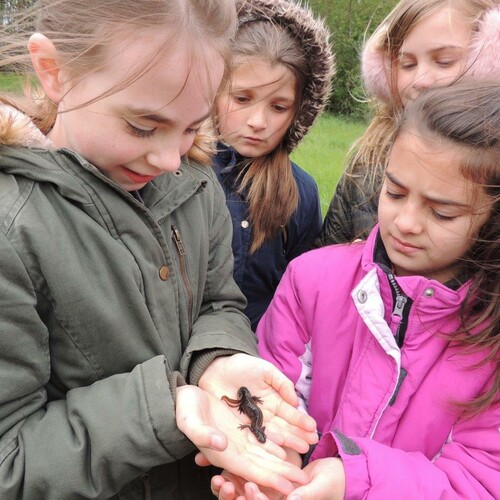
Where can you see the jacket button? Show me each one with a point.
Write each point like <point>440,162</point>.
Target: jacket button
<point>428,292</point>
<point>244,224</point>
<point>362,296</point>
<point>164,273</point>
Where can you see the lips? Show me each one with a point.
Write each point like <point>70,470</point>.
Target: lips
<point>404,247</point>
<point>135,177</point>
<point>252,140</point>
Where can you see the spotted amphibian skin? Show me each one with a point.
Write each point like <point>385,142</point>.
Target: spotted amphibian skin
<point>247,404</point>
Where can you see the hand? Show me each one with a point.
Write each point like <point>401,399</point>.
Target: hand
<point>214,428</point>
<point>285,425</point>
<point>230,487</point>
<point>326,478</point>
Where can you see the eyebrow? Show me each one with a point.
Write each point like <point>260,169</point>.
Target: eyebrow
<point>438,201</point>
<point>148,115</point>
<point>436,49</point>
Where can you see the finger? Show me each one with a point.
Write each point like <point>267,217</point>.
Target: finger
<point>283,386</point>
<point>274,474</point>
<point>227,491</point>
<point>201,460</point>
<point>204,436</point>
<point>288,440</point>
<point>252,492</point>
<point>296,417</point>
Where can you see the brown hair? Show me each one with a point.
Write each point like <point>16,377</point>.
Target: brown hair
<point>467,116</point>
<point>81,35</point>
<point>368,157</point>
<point>272,192</point>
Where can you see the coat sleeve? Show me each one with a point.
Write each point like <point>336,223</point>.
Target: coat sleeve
<point>468,465</point>
<point>351,214</point>
<point>90,435</point>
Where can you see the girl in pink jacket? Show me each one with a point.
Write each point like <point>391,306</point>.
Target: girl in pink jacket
<point>393,343</point>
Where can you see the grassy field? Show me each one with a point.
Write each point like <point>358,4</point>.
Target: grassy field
<point>323,151</point>
<point>9,82</point>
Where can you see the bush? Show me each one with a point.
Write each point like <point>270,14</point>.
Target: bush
<point>350,21</point>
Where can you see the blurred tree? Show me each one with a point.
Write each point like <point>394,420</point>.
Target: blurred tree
<point>350,21</point>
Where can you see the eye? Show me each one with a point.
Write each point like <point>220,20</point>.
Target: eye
<point>394,196</point>
<point>446,63</point>
<point>140,131</point>
<point>192,131</point>
<point>441,217</point>
<point>407,63</point>
<point>241,99</point>
<point>280,108</point>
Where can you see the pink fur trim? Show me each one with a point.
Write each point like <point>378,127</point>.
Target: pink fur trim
<point>484,55</point>
<point>375,72</point>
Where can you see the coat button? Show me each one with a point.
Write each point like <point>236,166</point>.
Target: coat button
<point>362,296</point>
<point>244,224</point>
<point>164,273</point>
<point>429,292</point>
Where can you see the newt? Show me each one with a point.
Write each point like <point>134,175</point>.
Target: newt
<point>247,404</point>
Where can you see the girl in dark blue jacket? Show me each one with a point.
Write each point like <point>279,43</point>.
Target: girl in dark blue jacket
<point>280,83</point>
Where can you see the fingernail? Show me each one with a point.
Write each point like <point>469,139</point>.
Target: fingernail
<point>217,442</point>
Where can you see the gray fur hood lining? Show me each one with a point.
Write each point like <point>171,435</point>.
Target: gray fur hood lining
<point>315,38</point>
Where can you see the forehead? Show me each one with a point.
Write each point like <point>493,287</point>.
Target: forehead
<point>428,166</point>
<point>254,72</point>
<point>445,27</point>
<point>157,66</point>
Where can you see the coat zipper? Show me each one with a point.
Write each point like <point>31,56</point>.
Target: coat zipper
<point>181,250</point>
<point>400,311</point>
<point>146,486</point>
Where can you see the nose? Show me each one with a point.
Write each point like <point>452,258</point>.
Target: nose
<point>423,79</point>
<point>165,157</point>
<point>257,118</point>
<point>409,219</point>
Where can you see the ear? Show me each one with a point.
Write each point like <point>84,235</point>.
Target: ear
<point>45,61</point>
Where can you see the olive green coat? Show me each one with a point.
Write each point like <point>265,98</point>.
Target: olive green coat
<point>103,300</point>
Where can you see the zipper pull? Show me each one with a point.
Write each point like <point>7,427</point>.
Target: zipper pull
<point>176,236</point>
<point>399,306</point>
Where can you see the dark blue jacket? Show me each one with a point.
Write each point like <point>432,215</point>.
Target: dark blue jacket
<point>258,274</point>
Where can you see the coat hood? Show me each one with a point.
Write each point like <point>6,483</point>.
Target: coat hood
<point>17,129</point>
<point>314,37</point>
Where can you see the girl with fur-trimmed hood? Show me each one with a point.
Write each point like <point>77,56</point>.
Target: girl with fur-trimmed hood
<point>421,43</point>
<point>283,65</point>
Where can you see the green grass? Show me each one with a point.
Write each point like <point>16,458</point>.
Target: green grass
<point>11,83</point>
<point>323,151</point>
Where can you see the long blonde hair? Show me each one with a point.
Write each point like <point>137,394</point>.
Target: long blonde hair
<point>367,158</point>
<point>81,34</point>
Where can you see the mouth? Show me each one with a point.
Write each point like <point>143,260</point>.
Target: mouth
<point>252,140</point>
<point>403,246</point>
<point>136,177</point>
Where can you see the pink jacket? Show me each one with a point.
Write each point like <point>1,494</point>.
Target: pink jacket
<point>386,411</point>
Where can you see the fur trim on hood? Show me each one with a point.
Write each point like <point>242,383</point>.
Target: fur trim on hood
<point>314,37</point>
<point>482,60</point>
<point>17,129</point>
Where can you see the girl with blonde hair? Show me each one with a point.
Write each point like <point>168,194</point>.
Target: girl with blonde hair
<point>421,43</point>
<point>121,326</point>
